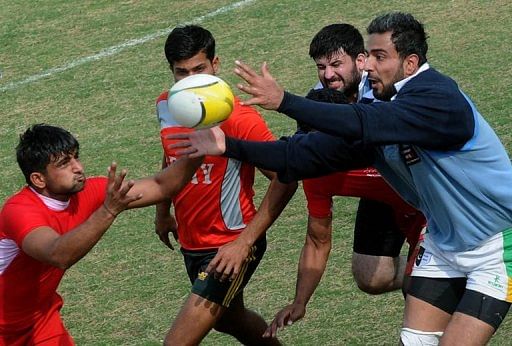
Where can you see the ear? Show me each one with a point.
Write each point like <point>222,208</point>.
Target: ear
<point>360,61</point>
<point>410,64</point>
<point>216,64</point>
<point>38,180</point>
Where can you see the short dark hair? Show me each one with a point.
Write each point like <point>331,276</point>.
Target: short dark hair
<point>408,34</point>
<point>322,95</point>
<point>42,144</point>
<point>186,41</point>
<point>331,38</point>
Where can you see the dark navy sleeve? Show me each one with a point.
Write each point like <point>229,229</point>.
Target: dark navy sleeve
<point>432,116</point>
<point>301,156</point>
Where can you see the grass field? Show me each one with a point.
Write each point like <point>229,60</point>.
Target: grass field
<point>95,67</point>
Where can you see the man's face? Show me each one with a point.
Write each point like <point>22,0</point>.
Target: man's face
<point>64,176</point>
<point>199,63</point>
<point>339,72</point>
<point>384,65</point>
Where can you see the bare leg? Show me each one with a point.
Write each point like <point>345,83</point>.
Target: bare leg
<point>378,274</point>
<point>195,319</point>
<point>198,316</point>
<point>244,324</point>
<point>466,330</point>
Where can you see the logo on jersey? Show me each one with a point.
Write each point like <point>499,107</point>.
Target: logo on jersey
<point>409,155</point>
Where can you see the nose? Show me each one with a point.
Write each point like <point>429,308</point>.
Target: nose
<point>368,64</point>
<point>77,166</point>
<point>329,72</point>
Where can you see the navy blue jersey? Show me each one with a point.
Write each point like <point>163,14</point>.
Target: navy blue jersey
<point>430,143</point>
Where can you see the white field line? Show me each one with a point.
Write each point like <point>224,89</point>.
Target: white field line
<point>116,49</point>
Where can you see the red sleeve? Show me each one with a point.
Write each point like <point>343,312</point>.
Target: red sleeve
<point>246,123</point>
<point>319,199</point>
<point>34,215</point>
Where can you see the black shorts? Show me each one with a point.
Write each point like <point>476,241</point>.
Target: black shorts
<point>210,288</point>
<point>376,232</point>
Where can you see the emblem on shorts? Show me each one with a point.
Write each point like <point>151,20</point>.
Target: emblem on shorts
<point>496,283</point>
<point>423,257</point>
<point>202,276</point>
<point>420,255</point>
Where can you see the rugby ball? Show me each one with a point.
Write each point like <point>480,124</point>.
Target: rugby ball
<point>200,101</point>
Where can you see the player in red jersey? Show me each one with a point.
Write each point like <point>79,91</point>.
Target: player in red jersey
<point>383,219</point>
<point>53,222</point>
<point>215,213</point>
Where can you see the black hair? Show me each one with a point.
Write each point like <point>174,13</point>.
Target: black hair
<point>322,95</point>
<point>408,34</point>
<point>335,37</point>
<point>186,41</point>
<point>42,144</point>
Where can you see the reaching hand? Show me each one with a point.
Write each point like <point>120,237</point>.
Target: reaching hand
<point>228,261</point>
<point>264,89</point>
<point>199,143</point>
<point>117,197</point>
<point>165,226</point>
<point>285,317</point>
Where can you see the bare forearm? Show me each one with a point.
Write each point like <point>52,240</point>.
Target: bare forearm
<point>63,251</point>
<point>312,264</point>
<point>166,183</point>
<point>273,203</point>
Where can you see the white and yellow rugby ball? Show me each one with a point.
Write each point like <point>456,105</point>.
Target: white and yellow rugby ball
<point>200,101</point>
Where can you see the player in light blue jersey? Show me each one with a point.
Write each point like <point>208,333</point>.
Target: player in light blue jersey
<point>432,145</point>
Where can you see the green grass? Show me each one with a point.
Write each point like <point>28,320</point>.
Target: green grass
<point>130,287</point>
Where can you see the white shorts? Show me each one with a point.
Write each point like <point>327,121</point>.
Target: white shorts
<point>488,268</point>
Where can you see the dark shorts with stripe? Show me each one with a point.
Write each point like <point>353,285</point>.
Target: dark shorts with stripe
<point>207,286</point>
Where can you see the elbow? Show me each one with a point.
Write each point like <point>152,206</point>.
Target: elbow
<point>62,261</point>
<point>63,264</point>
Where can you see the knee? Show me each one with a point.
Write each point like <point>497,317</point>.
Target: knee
<point>413,337</point>
<point>376,284</point>
<point>223,326</point>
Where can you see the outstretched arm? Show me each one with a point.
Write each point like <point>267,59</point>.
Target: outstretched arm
<point>165,184</point>
<point>293,158</point>
<point>312,263</point>
<point>437,118</point>
<point>62,251</point>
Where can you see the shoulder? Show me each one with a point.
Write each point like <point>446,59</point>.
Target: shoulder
<point>162,97</point>
<point>240,111</point>
<point>94,186</point>
<point>433,80</point>
<point>245,122</point>
<point>24,197</point>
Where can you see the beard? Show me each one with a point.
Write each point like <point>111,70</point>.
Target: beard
<point>389,90</point>
<point>350,85</point>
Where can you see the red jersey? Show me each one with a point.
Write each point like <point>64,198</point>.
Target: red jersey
<point>363,183</point>
<point>217,204</point>
<point>27,286</point>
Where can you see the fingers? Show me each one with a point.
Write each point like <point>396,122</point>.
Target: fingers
<point>234,272</point>
<point>180,144</point>
<point>271,331</point>
<point>178,135</point>
<point>213,264</point>
<point>265,72</point>
<point>244,70</point>
<point>165,239</point>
